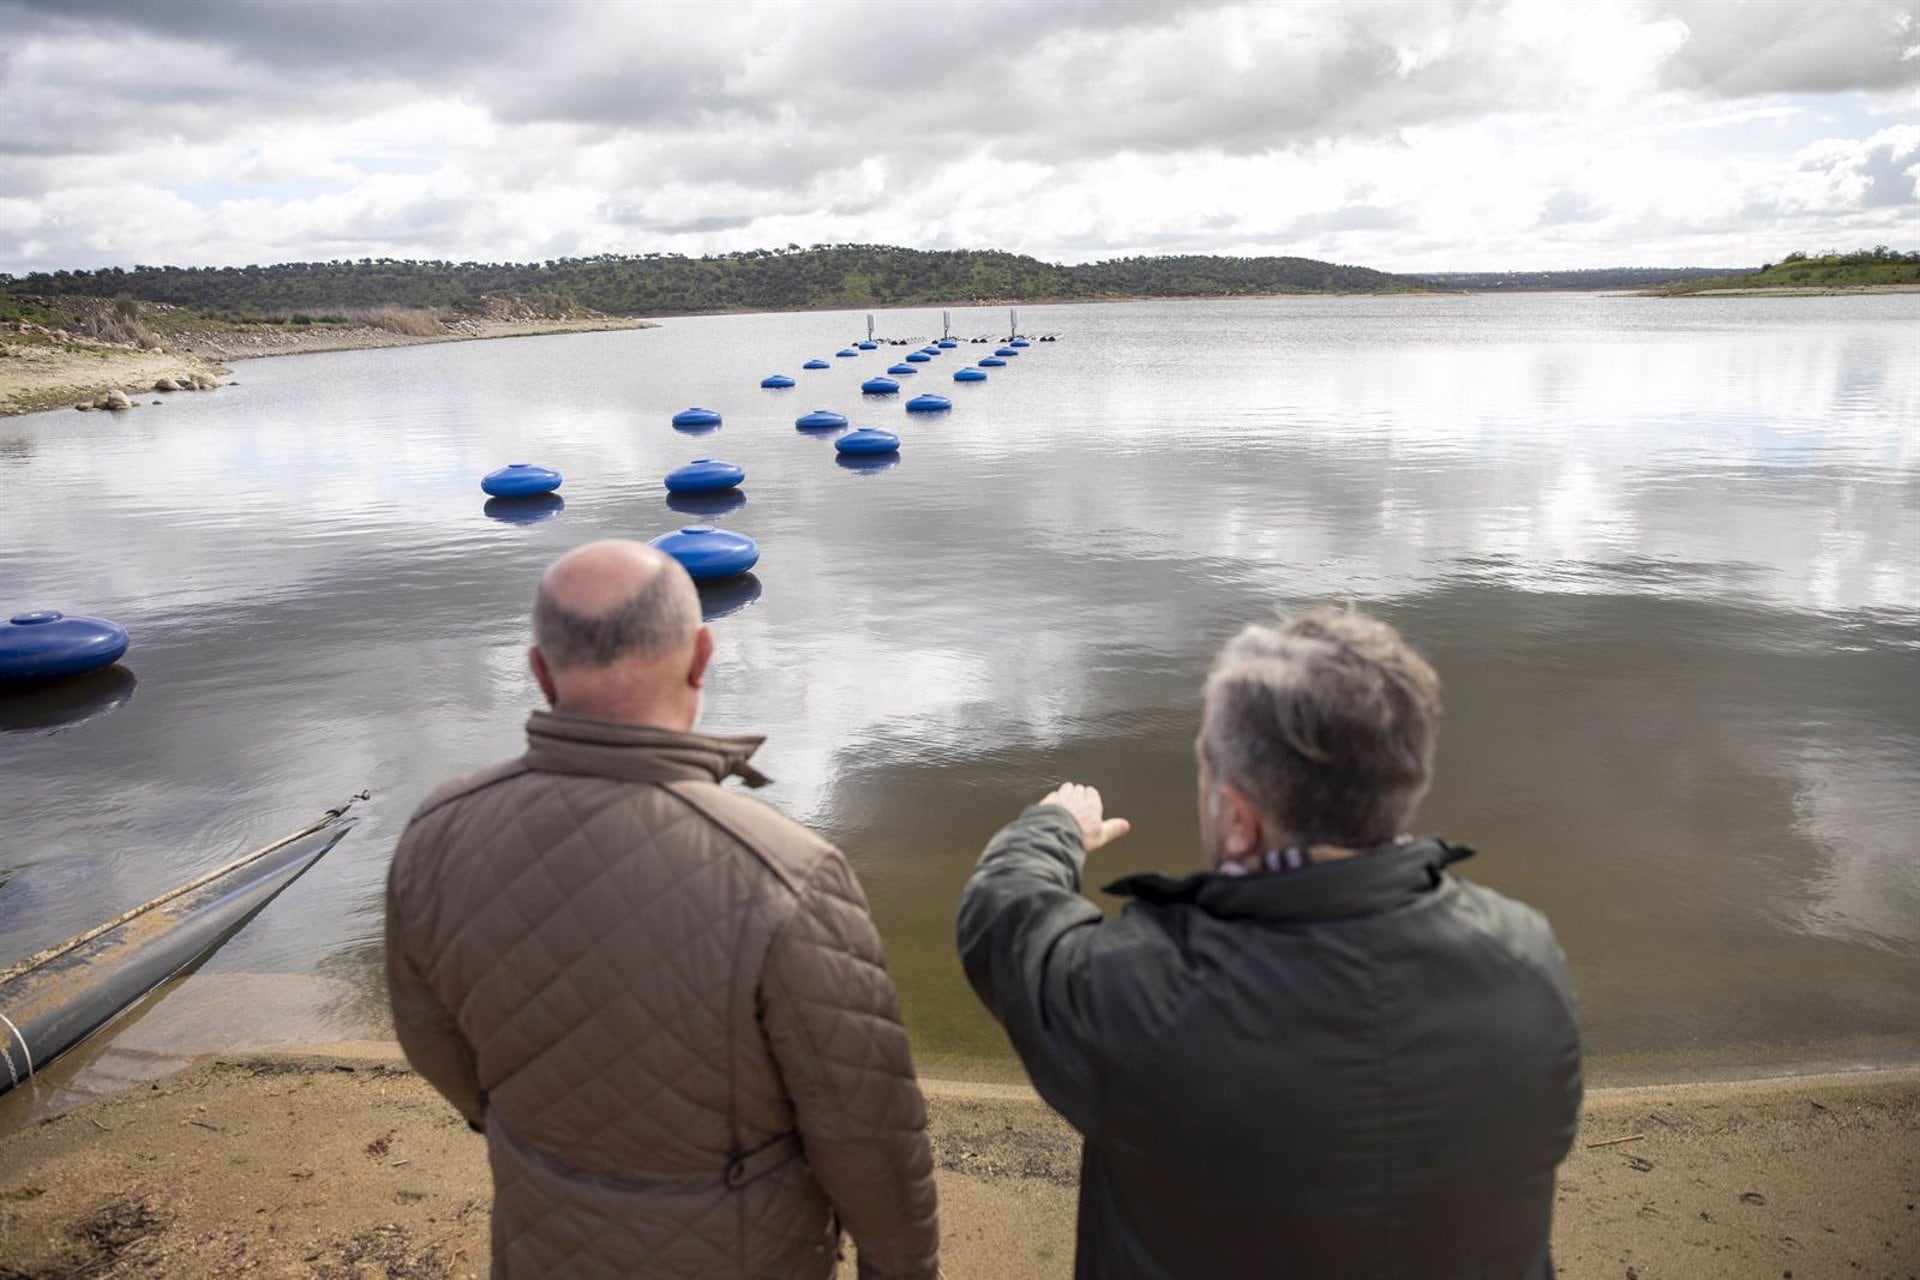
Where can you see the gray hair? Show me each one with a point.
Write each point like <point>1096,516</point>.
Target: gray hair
<point>657,619</point>
<point>1327,721</point>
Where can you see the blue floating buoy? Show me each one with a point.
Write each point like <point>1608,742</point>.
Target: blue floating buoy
<point>879,387</point>
<point>707,553</point>
<point>992,362</point>
<point>776,380</point>
<point>531,509</point>
<point>867,440</point>
<point>1005,352</point>
<point>704,475</point>
<point>932,351</point>
<point>816,364</point>
<point>697,418</point>
<point>519,480</point>
<point>928,404</point>
<point>846,353</point>
<point>901,370</point>
<point>867,346</point>
<point>50,646</point>
<point>918,357</point>
<point>820,420</point>
<point>969,375</point>
<point>946,344</point>
<point>1019,342</point>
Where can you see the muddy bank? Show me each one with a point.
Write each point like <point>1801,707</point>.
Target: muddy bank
<point>346,1164</point>
<point>250,342</point>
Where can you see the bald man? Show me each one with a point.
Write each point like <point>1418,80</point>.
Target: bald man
<point>662,1002</point>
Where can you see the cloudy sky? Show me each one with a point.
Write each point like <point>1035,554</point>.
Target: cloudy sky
<point>1408,136</point>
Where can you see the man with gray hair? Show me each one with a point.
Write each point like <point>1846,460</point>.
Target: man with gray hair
<point>663,1003</point>
<point>1324,1055</point>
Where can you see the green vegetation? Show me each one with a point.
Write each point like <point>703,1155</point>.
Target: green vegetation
<point>667,284</point>
<point>1878,266</point>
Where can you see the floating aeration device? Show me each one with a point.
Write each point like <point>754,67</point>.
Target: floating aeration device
<point>867,346</point>
<point>820,420</point>
<point>776,380</point>
<point>522,480</point>
<point>928,404</point>
<point>51,646</point>
<point>969,375</point>
<point>816,364</point>
<point>946,344</point>
<point>707,553</point>
<point>697,417</point>
<point>902,370</point>
<point>704,476</point>
<point>1019,342</point>
<point>879,387</point>
<point>992,362</point>
<point>918,357</point>
<point>846,353</point>
<point>1004,352</point>
<point>868,440</point>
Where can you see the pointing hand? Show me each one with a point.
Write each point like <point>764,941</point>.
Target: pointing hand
<point>1083,803</point>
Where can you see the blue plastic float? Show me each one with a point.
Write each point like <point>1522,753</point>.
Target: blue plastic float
<point>947,344</point>
<point>519,480</point>
<point>707,553</point>
<point>846,353</point>
<point>816,364</point>
<point>867,346</point>
<point>531,509</point>
<point>867,440</point>
<point>697,418</point>
<point>51,646</point>
<point>879,387</point>
<point>901,370</point>
<point>918,357</point>
<point>1019,342</point>
<point>1004,352</point>
<point>704,475</point>
<point>969,375</point>
<point>929,404</point>
<point>820,420</point>
<point>992,362</point>
<point>930,350</point>
<point>776,380</point>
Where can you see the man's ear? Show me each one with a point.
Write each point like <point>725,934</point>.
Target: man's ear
<point>702,654</point>
<point>542,676</point>
<point>1239,822</point>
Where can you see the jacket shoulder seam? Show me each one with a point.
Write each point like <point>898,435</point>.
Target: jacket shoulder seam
<point>506,774</point>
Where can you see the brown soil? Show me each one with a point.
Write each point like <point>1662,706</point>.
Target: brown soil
<point>349,1166</point>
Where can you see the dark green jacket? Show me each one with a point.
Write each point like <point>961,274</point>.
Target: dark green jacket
<point>1366,1068</point>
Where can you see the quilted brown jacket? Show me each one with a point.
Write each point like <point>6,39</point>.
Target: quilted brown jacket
<point>667,1007</point>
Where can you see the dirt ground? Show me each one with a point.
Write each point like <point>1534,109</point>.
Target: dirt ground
<point>347,1165</point>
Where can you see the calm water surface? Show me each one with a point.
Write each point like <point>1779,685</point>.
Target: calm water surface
<point>1665,553</point>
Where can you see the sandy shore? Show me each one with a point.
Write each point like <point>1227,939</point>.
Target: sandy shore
<point>345,1164</point>
<point>39,373</point>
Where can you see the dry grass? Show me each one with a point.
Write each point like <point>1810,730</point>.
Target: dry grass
<point>408,321</point>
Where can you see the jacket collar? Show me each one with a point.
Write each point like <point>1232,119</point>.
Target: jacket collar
<point>1377,881</point>
<point>559,743</point>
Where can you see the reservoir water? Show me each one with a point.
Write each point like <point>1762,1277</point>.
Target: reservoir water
<point>1664,553</point>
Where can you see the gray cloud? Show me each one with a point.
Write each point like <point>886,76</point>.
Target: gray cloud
<point>1746,50</point>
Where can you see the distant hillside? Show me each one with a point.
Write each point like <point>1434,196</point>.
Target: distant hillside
<point>666,284</point>
<point>1589,278</point>
<point>1878,267</point>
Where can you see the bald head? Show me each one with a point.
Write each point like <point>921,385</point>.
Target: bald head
<point>611,601</point>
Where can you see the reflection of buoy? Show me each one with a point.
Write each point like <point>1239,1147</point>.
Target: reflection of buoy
<point>519,480</point>
<point>707,553</point>
<point>49,645</point>
<point>776,380</point>
<point>1004,352</point>
<point>531,509</point>
<point>816,364</point>
<point>41,708</point>
<point>969,374</point>
<point>918,357</point>
<point>928,404</point>
<point>879,387</point>
<point>867,461</point>
<point>992,362</point>
<point>867,440</point>
<point>1019,342</point>
<point>902,370</point>
<point>724,596</point>
<point>820,420</point>
<point>697,417</point>
<point>846,353</point>
<point>946,344</point>
<point>704,475</point>
<point>869,345</point>
<point>717,502</point>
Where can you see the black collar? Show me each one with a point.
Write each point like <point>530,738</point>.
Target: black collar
<point>1377,880</point>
